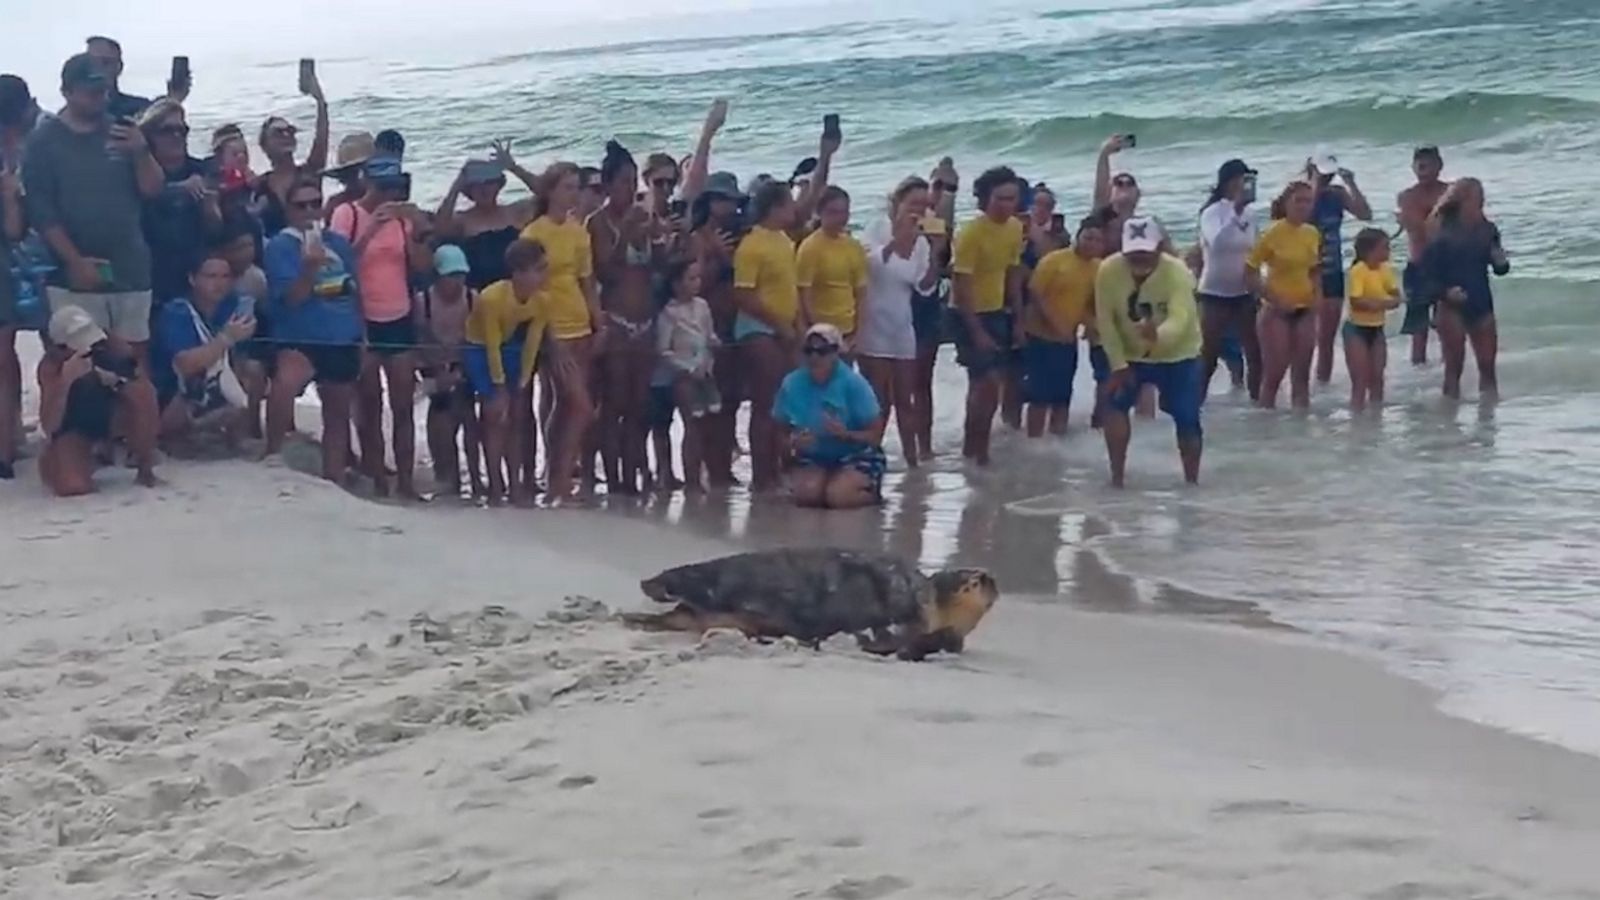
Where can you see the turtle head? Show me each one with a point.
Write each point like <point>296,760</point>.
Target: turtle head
<point>656,588</point>
<point>961,598</point>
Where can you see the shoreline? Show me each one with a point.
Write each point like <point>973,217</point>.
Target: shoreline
<point>274,711</point>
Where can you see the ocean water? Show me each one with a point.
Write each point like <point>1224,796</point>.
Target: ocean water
<point>1456,543</point>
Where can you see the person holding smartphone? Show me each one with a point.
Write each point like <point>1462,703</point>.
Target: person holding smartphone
<point>195,341</point>
<point>1228,233</point>
<point>280,141</point>
<point>1328,210</point>
<point>182,221</point>
<point>385,228</point>
<point>1150,330</point>
<point>86,179</point>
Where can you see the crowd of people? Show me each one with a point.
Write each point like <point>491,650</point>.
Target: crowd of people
<point>179,295</point>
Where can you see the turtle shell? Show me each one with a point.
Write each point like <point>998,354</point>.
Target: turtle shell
<point>810,593</point>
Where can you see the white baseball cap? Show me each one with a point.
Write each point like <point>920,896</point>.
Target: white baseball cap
<point>1325,163</point>
<point>1142,234</point>
<point>72,327</point>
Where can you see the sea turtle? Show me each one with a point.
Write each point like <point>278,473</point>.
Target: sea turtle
<point>813,594</point>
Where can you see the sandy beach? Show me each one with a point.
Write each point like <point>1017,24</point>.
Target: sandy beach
<point>252,684</point>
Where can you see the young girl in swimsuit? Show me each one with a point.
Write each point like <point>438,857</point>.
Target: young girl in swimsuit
<point>686,339</point>
<point>1374,291</point>
<point>624,255</point>
<point>441,314</point>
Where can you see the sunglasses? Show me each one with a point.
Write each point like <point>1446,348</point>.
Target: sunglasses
<point>820,350</point>
<point>283,131</point>
<point>173,131</point>
<point>1124,181</point>
<point>948,187</point>
<point>307,204</point>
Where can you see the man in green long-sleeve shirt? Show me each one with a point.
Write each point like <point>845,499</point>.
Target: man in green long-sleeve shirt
<point>1150,328</point>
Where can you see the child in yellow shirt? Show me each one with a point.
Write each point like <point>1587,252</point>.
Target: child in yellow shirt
<point>1373,290</point>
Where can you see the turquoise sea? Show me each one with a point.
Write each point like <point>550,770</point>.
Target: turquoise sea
<point>1459,544</point>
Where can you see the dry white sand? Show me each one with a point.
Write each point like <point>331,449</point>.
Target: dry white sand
<point>250,684</point>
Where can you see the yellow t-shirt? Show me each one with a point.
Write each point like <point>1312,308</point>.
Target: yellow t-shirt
<point>1064,282</point>
<point>986,251</point>
<point>1366,283</point>
<point>1290,253</point>
<point>566,246</point>
<point>834,268</point>
<point>765,263</point>
<point>496,315</point>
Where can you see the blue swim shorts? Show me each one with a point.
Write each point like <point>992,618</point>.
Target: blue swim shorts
<point>1180,387</point>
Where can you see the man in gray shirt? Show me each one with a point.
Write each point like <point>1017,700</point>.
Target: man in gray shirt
<point>86,179</point>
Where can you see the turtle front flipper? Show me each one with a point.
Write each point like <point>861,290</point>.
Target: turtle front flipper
<point>679,618</point>
<point>883,642</point>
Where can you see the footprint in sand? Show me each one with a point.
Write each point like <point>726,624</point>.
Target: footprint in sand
<point>847,842</point>
<point>573,782</point>
<point>761,850</point>
<point>1263,808</point>
<point>718,812</point>
<point>939,716</point>
<point>867,889</point>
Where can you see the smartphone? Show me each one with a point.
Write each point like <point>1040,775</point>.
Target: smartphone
<point>308,75</point>
<point>1130,141</point>
<point>830,127</point>
<point>247,306</point>
<point>1058,222</point>
<point>1250,189</point>
<point>934,226</point>
<point>180,73</point>
<point>677,209</point>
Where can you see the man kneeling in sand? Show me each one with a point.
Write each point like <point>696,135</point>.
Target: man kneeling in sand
<point>89,392</point>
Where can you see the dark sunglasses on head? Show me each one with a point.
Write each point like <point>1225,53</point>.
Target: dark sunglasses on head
<point>819,350</point>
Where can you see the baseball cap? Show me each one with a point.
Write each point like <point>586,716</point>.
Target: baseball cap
<point>481,171</point>
<point>380,168</point>
<point>1232,169</point>
<point>723,184</point>
<point>803,169</point>
<point>1325,163</point>
<point>1141,234</point>
<point>72,327</point>
<point>391,143</point>
<point>450,260</point>
<point>80,71</point>
<point>824,334</point>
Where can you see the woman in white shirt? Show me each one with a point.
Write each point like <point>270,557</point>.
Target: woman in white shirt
<point>1227,235</point>
<point>885,340</point>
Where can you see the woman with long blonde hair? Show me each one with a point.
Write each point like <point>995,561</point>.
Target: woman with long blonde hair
<point>1463,248</point>
<point>570,304</point>
<point>899,263</point>
<point>1289,253</point>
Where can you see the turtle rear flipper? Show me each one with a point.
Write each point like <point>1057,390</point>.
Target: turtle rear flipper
<point>687,619</point>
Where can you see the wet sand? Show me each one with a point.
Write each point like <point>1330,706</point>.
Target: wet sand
<point>250,683</point>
